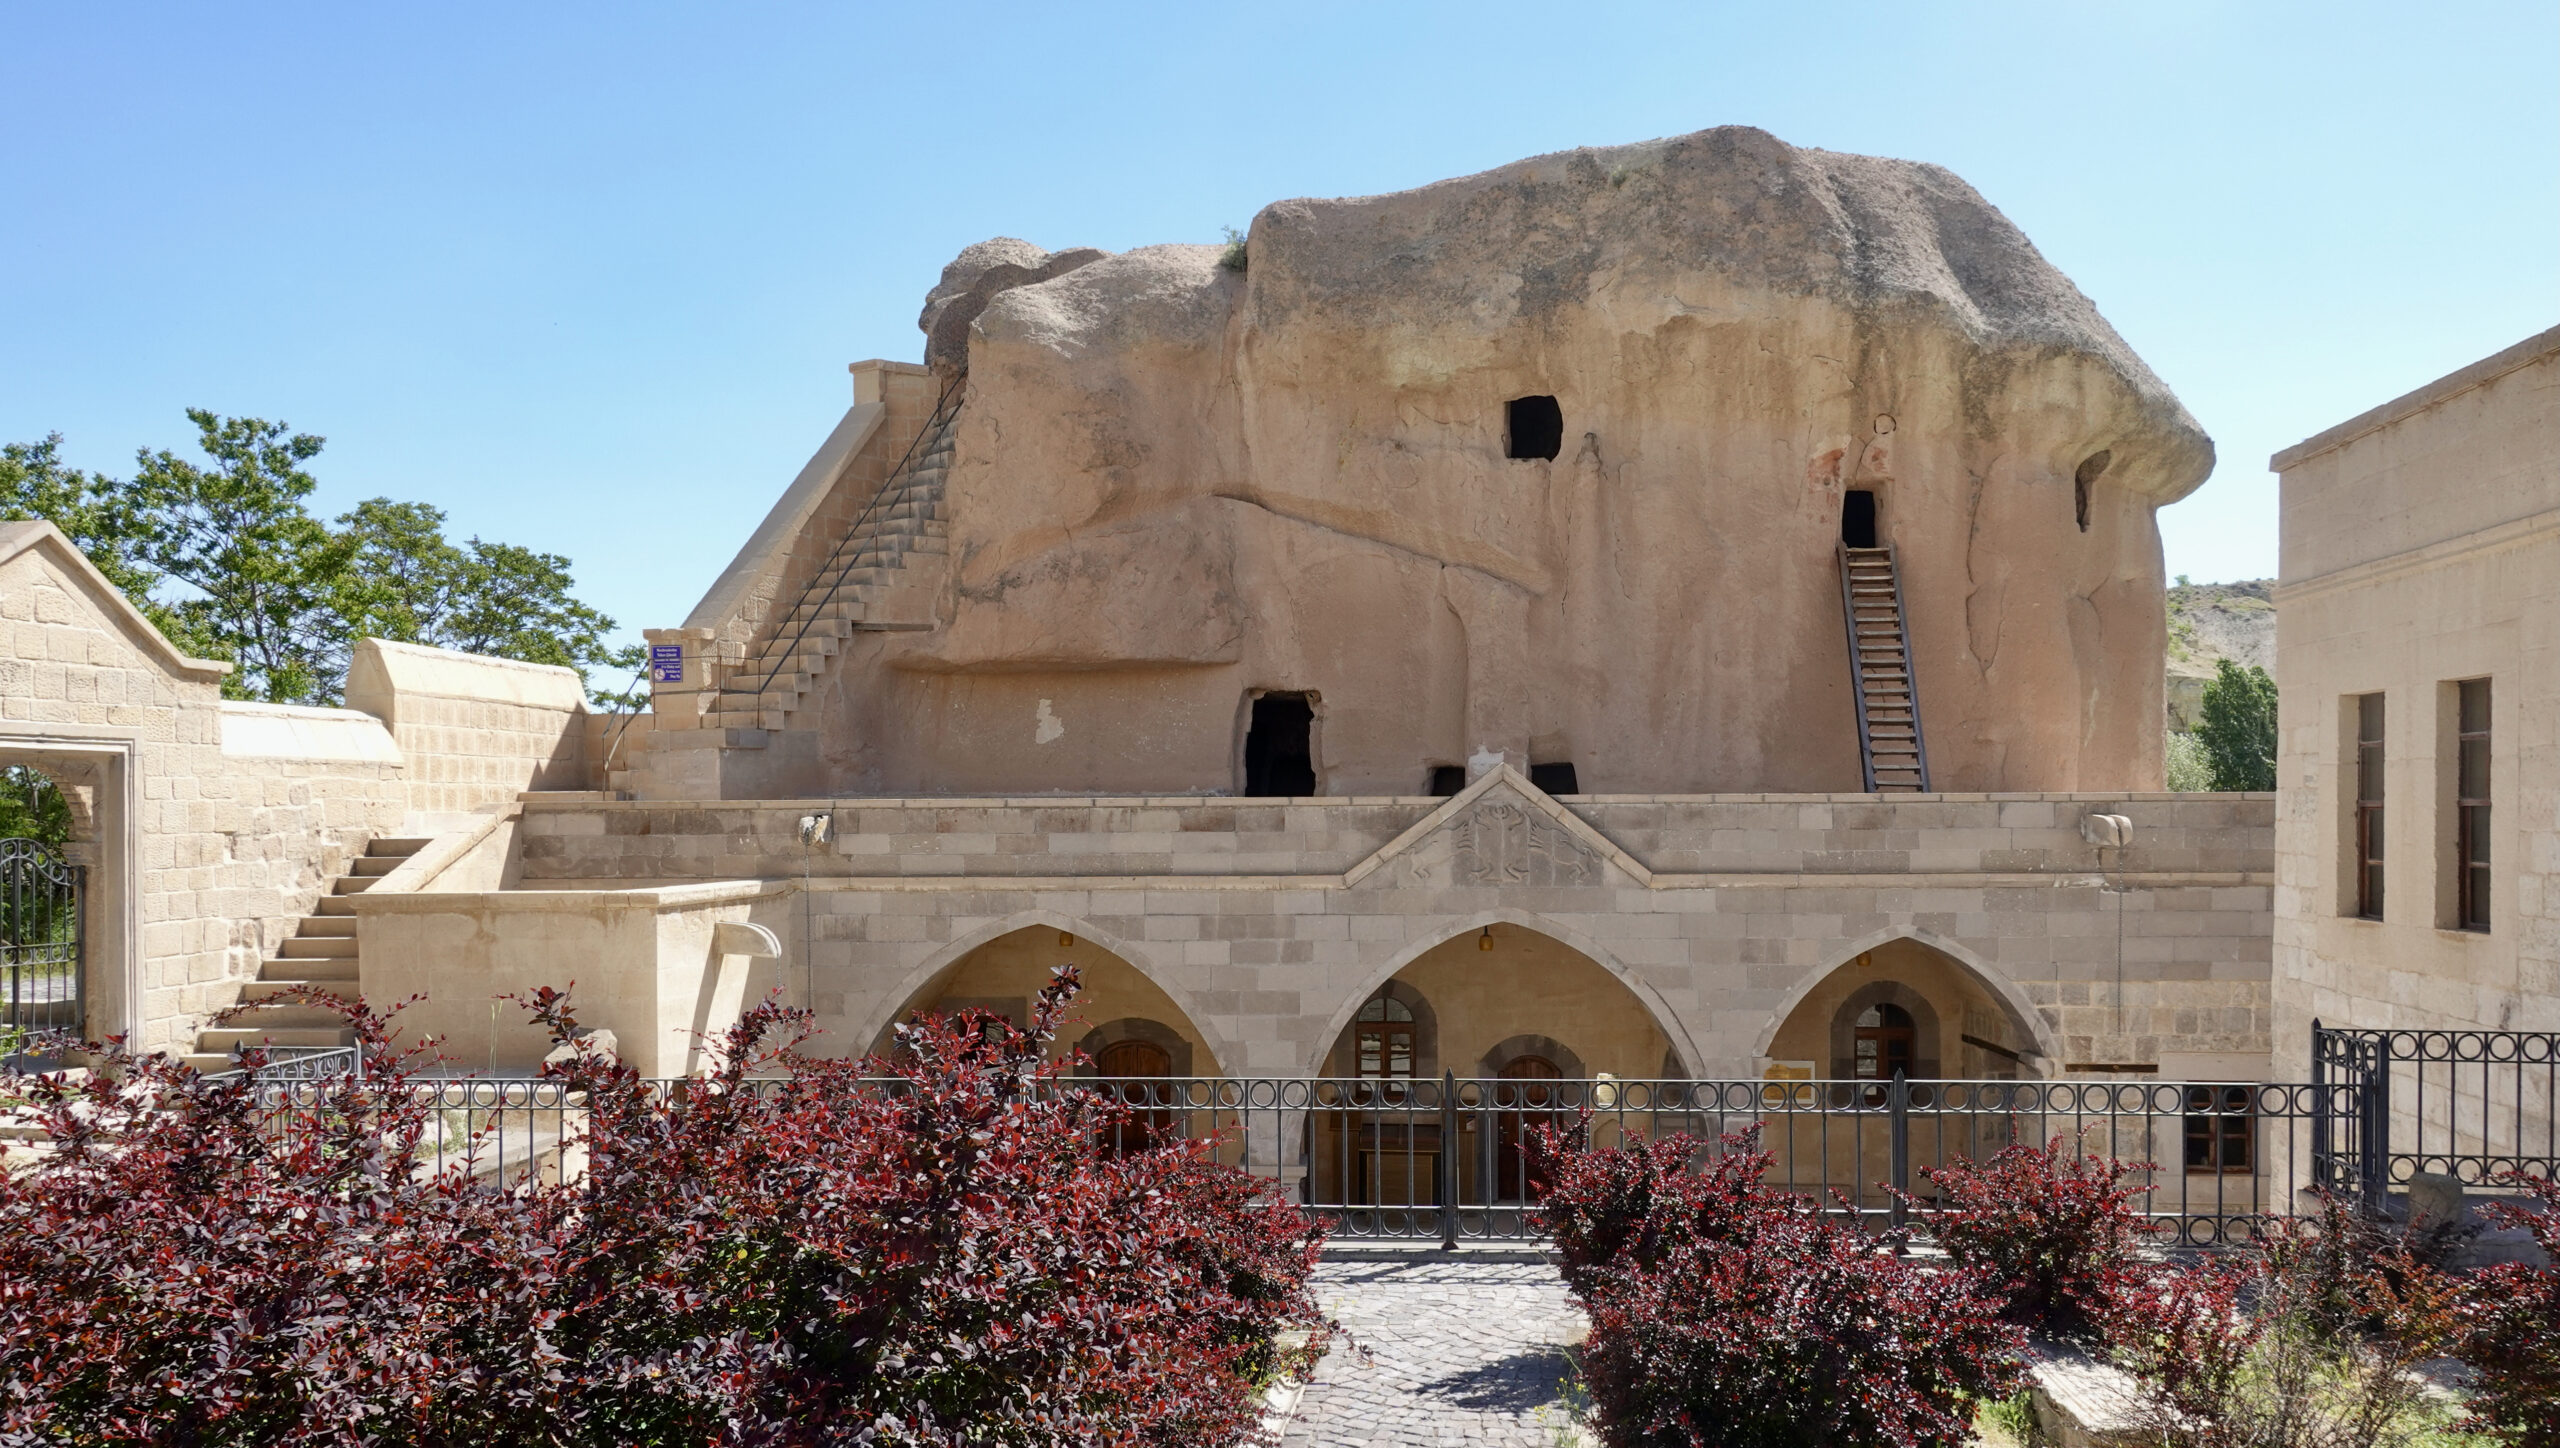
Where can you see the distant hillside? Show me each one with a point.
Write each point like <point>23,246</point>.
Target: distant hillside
<point>2209,622</point>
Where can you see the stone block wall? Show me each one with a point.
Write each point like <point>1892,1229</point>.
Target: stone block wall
<point>1269,921</point>
<point>206,828</point>
<point>2422,549</point>
<point>474,731</point>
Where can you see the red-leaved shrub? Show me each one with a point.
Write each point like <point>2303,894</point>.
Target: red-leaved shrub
<point>782,1253</point>
<point>2507,1327</point>
<point>1723,1314</point>
<point>2310,1337</point>
<point>2054,1231</point>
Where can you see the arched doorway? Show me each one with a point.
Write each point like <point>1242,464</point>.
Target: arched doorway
<point>1444,1069</point>
<point>1137,1069</point>
<point>1881,1037</point>
<point>1121,1026</point>
<point>1901,1009</point>
<point>1524,1099</point>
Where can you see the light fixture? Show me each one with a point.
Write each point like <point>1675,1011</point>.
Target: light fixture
<point>1484,941</point>
<point>1065,940</point>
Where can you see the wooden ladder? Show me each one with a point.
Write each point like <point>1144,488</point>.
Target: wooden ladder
<point>1889,745</point>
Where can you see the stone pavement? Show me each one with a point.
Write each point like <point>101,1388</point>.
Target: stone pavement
<point>1458,1348</point>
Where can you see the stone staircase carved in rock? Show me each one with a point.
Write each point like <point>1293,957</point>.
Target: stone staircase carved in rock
<point>1890,749</point>
<point>901,527</point>
<point>321,953</point>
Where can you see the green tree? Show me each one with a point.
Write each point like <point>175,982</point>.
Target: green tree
<point>93,510</point>
<point>2188,770</point>
<point>2238,727</point>
<point>227,560</point>
<point>408,582</point>
<point>31,808</point>
<point>262,570</point>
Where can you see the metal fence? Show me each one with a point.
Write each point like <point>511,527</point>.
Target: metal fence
<point>1446,1161</point>
<point>2473,1105</point>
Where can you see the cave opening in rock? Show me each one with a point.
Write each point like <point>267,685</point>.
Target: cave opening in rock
<point>1533,428</point>
<point>1279,752</point>
<point>1858,518</point>
<point>2086,477</point>
<point>1448,779</point>
<point>1554,778</point>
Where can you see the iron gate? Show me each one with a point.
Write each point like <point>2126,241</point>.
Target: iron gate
<point>41,951</point>
<point>2473,1105</point>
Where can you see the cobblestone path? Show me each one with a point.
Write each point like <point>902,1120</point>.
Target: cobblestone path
<point>1461,1350</point>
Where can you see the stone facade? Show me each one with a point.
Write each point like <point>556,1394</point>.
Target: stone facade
<point>1266,924</point>
<point>2422,550</point>
<point>1023,606</point>
<point>208,827</point>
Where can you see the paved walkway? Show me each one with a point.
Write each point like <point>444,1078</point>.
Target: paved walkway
<point>1454,1349</point>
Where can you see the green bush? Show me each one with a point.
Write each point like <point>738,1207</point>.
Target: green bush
<point>2189,771</point>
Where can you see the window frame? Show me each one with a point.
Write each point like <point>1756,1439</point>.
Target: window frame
<point>2368,839</point>
<point>2235,1120</point>
<point>2473,892</point>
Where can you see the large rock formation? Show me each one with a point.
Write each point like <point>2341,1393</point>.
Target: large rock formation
<point>1178,482</point>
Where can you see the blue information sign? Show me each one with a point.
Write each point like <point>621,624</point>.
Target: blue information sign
<point>666,663</point>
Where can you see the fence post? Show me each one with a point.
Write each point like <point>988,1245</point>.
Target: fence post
<point>2324,1167</point>
<point>1900,1141</point>
<point>2375,1147</point>
<point>1448,1160</point>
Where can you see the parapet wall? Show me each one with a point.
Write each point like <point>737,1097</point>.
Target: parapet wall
<point>568,844</point>
<point>474,731</point>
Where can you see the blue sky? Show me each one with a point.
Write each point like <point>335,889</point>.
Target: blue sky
<point>588,276</point>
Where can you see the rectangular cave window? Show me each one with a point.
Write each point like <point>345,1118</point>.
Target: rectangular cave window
<point>1554,778</point>
<point>1448,779</point>
<point>1279,753</point>
<point>1533,428</point>
<point>1858,518</point>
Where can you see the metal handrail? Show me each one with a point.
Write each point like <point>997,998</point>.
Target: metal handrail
<point>943,406</point>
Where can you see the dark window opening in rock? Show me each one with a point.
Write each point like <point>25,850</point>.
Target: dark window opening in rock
<point>1533,429</point>
<point>1554,778</point>
<point>1279,758</point>
<point>1858,518</point>
<point>2085,479</point>
<point>1448,779</point>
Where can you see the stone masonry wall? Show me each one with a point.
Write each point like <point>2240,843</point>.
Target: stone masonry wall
<point>198,856</point>
<point>1269,921</point>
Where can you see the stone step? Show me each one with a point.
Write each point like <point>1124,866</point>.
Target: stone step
<point>399,846</point>
<point>376,866</point>
<point>336,907</point>
<point>318,947</point>
<point>352,884</point>
<point>321,926</point>
<point>268,990</point>
<point>289,969</point>
<point>225,1039</point>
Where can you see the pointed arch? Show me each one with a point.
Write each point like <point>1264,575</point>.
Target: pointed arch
<point>1434,935</point>
<point>1995,983</point>
<point>916,978</point>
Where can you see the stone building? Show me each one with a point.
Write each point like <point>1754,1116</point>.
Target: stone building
<point>2418,659</point>
<point>1680,609</point>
